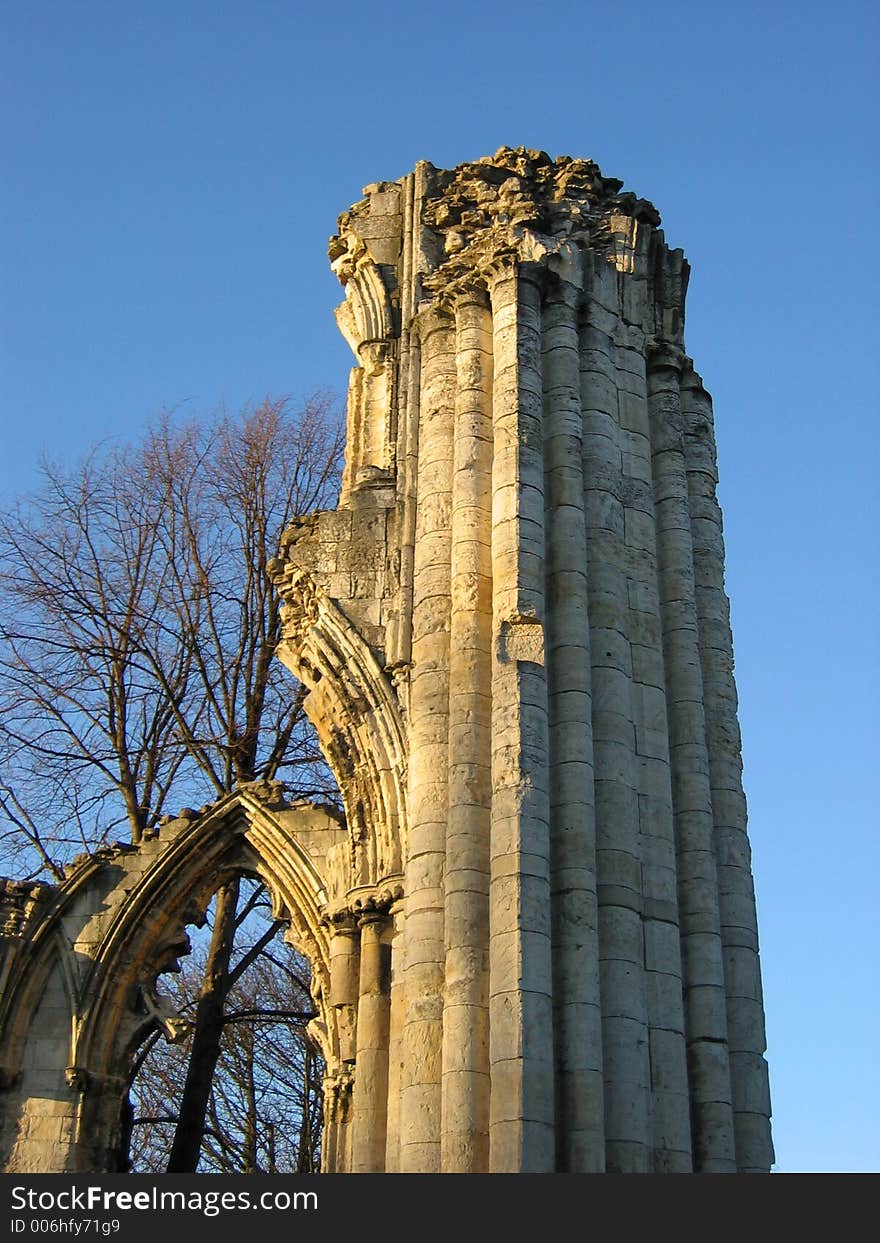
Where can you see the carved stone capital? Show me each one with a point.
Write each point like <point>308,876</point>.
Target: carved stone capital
<point>497,271</point>
<point>338,1087</point>
<point>664,354</point>
<point>431,318</point>
<point>301,601</point>
<point>371,917</point>
<point>375,355</point>
<point>377,901</point>
<point>341,922</point>
<point>467,296</point>
<point>374,901</point>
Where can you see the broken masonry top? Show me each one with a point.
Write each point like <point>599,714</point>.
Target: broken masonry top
<point>516,204</point>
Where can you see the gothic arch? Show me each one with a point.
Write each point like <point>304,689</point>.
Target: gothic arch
<point>114,925</point>
<point>243,833</point>
<point>355,711</point>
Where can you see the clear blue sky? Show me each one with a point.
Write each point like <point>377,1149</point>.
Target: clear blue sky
<point>172,172</point>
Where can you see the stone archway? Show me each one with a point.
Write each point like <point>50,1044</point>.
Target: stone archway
<point>81,960</point>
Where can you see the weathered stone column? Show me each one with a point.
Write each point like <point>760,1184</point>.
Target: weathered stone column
<point>704,993</point>
<point>670,1098</point>
<point>429,755</point>
<point>336,1143</point>
<point>736,898</point>
<point>625,1042</point>
<point>329,1133</point>
<point>521,1003</point>
<point>395,1031</point>
<point>465,1115</point>
<point>399,636</point>
<point>369,1128</point>
<point>577,1016</point>
<point>344,973</point>
<point>344,956</point>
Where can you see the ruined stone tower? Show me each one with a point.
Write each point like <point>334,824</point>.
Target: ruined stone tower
<point>533,942</point>
<point>529,544</point>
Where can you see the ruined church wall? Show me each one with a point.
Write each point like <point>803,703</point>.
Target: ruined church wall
<point>534,937</point>
<point>580,978</point>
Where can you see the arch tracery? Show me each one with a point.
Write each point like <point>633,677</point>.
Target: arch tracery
<point>359,723</point>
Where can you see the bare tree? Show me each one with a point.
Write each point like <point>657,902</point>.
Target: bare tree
<point>138,628</point>
<point>264,1104</point>
<point>137,633</point>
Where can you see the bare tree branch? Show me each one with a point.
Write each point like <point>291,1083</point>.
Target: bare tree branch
<point>138,633</point>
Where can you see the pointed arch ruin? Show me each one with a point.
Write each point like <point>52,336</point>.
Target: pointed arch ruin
<point>536,935</point>
<point>81,961</point>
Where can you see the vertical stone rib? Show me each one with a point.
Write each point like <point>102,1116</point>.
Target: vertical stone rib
<point>624,1008</point>
<point>330,1131</point>
<point>670,1097</point>
<point>465,1113</point>
<point>705,1008</point>
<point>429,755</point>
<point>344,968</point>
<point>400,638</point>
<point>369,1123</point>
<point>400,627</point>
<point>577,1017</point>
<point>344,952</point>
<point>395,1026</point>
<point>739,930</point>
<point>520,1002</point>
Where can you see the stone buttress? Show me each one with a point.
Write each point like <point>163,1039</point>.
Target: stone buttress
<point>517,641</point>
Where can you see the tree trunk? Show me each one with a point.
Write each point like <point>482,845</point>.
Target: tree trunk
<point>304,1156</point>
<point>190,1129</point>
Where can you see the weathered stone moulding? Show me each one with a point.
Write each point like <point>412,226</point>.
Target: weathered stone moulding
<point>535,937</point>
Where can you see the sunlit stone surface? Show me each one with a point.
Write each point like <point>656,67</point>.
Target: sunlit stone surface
<point>534,944</point>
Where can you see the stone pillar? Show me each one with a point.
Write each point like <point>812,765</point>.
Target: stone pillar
<point>520,1003</point>
<point>625,1043</point>
<point>736,897</point>
<point>395,1030</point>
<point>344,954</point>
<point>429,755</point>
<point>336,1141</point>
<point>465,1114</point>
<point>670,1099</point>
<point>370,1105</point>
<point>576,1011</point>
<point>344,972</point>
<point>330,1131</point>
<point>705,1003</point>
